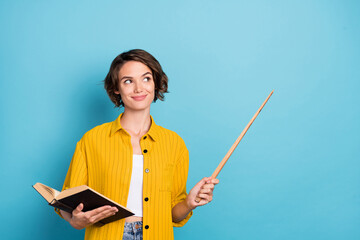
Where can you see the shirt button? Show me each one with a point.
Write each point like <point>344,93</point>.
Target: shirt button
<point>146,226</point>
<point>145,151</point>
<point>144,137</point>
<point>147,170</point>
<point>146,199</point>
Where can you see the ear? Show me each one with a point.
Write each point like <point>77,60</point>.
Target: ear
<point>116,92</point>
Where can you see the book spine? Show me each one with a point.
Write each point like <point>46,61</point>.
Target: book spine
<point>61,206</point>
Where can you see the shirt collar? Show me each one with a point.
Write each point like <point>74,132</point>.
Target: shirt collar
<point>153,131</point>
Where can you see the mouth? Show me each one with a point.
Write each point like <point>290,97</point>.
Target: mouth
<point>139,98</point>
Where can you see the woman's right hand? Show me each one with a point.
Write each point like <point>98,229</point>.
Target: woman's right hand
<point>79,219</point>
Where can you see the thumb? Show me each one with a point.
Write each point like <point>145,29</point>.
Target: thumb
<point>78,209</point>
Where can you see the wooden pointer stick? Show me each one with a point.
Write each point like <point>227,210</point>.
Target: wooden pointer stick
<point>222,163</point>
<point>227,156</point>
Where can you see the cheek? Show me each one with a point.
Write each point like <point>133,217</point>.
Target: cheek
<point>150,88</point>
<point>125,90</point>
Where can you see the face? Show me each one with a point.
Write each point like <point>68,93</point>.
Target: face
<point>136,86</point>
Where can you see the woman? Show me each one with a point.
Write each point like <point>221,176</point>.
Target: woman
<point>135,162</point>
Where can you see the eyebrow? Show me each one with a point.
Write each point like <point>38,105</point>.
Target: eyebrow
<point>131,77</point>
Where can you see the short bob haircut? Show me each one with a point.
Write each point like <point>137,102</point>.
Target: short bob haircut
<point>111,81</point>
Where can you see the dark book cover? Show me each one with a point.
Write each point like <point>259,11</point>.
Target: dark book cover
<point>91,200</point>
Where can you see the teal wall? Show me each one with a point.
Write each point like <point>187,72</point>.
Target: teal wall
<point>295,175</point>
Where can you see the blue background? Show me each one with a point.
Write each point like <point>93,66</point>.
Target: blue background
<point>296,173</point>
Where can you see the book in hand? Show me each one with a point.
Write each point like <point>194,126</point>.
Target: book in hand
<point>69,199</point>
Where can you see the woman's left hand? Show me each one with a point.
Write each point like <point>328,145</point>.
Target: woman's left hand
<point>202,191</point>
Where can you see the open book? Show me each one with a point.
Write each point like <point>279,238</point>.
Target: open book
<point>69,199</point>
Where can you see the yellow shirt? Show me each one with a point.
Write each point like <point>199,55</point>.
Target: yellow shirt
<point>103,161</point>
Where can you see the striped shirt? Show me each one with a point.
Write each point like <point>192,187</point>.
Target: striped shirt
<point>103,161</point>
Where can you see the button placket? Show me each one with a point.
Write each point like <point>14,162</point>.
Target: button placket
<point>146,144</point>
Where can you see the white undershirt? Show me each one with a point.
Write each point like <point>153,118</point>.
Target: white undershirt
<point>134,202</point>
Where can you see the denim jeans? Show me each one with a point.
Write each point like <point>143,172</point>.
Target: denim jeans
<point>133,231</point>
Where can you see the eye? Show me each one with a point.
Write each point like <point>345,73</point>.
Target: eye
<point>127,81</point>
<point>147,79</point>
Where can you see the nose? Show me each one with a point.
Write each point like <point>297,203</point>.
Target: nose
<point>138,87</point>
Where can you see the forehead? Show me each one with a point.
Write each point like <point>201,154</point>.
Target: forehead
<point>133,69</point>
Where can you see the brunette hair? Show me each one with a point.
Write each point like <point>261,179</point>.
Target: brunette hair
<point>111,81</point>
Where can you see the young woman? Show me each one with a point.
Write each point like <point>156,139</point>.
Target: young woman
<point>135,162</point>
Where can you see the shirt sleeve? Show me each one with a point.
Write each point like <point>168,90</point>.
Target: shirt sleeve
<point>178,193</point>
<point>77,172</point>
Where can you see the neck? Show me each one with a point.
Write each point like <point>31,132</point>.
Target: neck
<point>136,122</point>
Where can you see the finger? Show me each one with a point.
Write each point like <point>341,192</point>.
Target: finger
<point>205,197</point>
<point>207,182</point>
<point>98,210</point>
<point>210,186</point>
<point>102,210</point>
<point>102,215</point>
<point>203,202</point>
<point>205,190</point>
<point>215,181</point>
<point>201,183</point>
<point>195,190</point>
<point>208,179</point>
<point>212,180</point>
<point>78,209</point>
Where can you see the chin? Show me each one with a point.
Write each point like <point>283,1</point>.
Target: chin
<point>138,107</point>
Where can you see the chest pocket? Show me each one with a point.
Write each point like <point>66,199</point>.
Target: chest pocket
<point>167,176</point>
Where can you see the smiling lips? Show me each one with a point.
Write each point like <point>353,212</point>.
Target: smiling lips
<point>139,98</point>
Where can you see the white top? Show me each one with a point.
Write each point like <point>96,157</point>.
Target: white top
<point>134,202</point>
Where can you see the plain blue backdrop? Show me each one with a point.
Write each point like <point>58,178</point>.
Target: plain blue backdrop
<point>296,173</point>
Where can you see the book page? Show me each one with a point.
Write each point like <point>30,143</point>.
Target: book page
<point>47,192</point>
